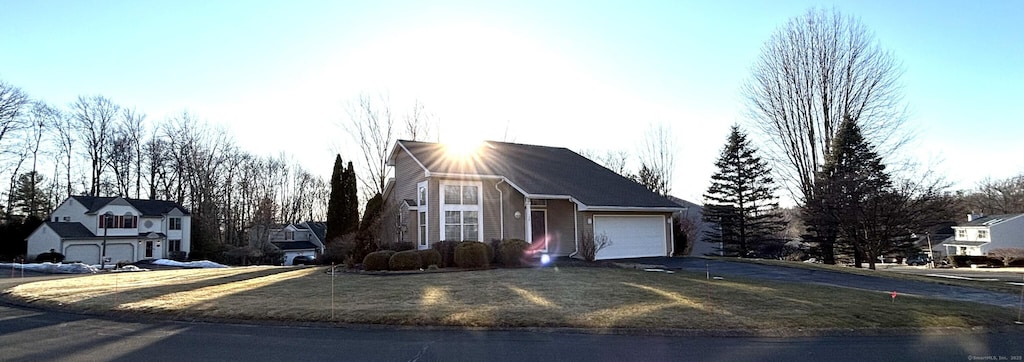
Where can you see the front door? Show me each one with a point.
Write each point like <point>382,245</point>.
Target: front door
<point>539,227</point>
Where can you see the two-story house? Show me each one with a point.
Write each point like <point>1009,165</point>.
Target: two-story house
<point>982,234</point>
<point>303,239</point>
<point>551,197</point>
<point>87,228</point>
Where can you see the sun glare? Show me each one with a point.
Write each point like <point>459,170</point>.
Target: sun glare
<point>463,148</point>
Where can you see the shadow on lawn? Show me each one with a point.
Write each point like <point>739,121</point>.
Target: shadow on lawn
<point>113,293</point>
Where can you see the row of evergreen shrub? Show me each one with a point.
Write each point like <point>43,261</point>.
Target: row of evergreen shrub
<point>465,254</point>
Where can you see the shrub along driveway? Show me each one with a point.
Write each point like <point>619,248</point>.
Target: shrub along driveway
<point>734,269</point>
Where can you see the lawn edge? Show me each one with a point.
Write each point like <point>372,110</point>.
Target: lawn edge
<point>8,300</point>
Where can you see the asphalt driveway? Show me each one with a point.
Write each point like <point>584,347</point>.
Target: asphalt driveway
<point>727,269</point>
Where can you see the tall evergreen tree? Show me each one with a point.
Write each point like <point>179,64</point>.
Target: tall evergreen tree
<point>350,207</point>
<point>336,218</point>
<point>848,191</point>
<point>740,203</point>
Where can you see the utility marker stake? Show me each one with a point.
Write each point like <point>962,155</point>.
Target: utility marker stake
<point>1021,301</point>
<point>332,291</point>
<point>894,297</point>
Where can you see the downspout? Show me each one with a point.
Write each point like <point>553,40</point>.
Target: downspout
<point>501,208</point>
<point>576,228</point>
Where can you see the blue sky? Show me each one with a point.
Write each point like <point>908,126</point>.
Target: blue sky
<point>584,75</point>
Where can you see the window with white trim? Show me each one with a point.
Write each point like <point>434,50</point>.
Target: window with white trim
<point>961,233</point>
<point>460,205</point>
<point>982,234</point>
<point>421,212</point>
<point>174,223</point>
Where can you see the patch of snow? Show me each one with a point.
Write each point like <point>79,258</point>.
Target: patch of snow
<point>962,278</point>
<point>1016,283</point>
<point>130,269</point>
<point>54,268</point>
<point>189,264</point>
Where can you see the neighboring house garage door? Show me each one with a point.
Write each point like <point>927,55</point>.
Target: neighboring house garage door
<point>120,252</point>
<point>88,254</point>
<point>632,236</point>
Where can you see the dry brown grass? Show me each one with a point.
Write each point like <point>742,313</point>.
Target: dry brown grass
<point>598,298</point>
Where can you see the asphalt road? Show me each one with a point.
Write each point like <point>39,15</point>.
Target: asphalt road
<point>32,335</point>
<point>727,269</point>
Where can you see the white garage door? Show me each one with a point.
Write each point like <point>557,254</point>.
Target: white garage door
<point>88,254</point>
<point>632,236</point>
<point>120,252</point>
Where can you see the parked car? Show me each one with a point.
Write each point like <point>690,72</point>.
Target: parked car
<point>302,260</point>
<point>919,260</point>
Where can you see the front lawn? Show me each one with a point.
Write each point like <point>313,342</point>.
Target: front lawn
<point>597,298</point>
<point>1002,287</point>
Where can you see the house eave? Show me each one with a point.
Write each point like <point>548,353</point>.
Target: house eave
<point>631,208</point>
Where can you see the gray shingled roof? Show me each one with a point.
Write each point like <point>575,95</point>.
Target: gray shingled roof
<point>990,220</point>
<point>541,170</point>
<point>318,228</point>
<point>72,230</point>
<point>293,245</point>
<point>146,207</point>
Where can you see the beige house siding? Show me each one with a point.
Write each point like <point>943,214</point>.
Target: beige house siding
<point>407,175</point>
<point>561,230</point>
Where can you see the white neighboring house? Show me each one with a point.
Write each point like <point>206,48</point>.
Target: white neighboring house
<point>299,239</point>
<point>130,229</point>
<point>982,234</point>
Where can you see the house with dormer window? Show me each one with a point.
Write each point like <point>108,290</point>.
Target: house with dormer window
<point>982,234</point>
<point>89,229</point>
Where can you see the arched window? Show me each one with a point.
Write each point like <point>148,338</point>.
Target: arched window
<point>129,221</point>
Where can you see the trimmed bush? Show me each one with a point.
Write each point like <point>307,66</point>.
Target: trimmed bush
<point>429,257</point>
<point>446,248</point>
<point>472,254</point>
<point>511,252</point>
<point>405,260</point>
<point>51,257</point>
<point>378,260</point>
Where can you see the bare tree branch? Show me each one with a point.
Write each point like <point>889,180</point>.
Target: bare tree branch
<point>815,70</point>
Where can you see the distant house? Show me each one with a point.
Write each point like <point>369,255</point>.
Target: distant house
<point>86,228</point>
<point>305,239</point>
<point>551,197</point>
<point>982,234</point>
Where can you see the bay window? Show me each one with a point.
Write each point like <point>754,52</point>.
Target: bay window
<point>461,208</point>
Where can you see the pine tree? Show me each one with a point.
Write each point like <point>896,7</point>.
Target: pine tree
<point>350,208</point>
<point>847,190</point>
<point>336,218</point>
<point>740,203</point>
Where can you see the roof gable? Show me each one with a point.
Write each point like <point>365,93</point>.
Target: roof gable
<point>145,207</point>
<point>541,171</point>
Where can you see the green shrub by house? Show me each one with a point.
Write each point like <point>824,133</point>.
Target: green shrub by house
<point>405,260</point>
<point>430,257</point>
<point>446,248</point>
<point>472,254</point>
<point>511,252</point>
<point>377,260</point>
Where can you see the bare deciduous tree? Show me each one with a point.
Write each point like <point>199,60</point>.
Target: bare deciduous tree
<point>95,118</point>
<point>372,126</point>
<point>615,160</point>
<point>12,101</point>
<point>813,72</point>
<point>419,124</point>
<point>658,155</point>
<point>998,196</point>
